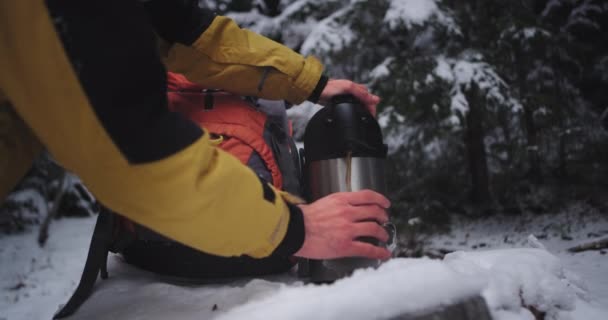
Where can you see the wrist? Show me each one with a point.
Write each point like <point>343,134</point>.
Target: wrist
<point>316,93</point>
<point>294,237</point>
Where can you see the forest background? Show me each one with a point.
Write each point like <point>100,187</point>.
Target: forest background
<point>488,107</point>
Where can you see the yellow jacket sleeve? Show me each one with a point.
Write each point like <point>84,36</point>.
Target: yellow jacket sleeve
<point>197,195</point>
<point>226,56</point>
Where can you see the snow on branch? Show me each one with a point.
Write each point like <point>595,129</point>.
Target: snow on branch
<point>329,34</point>
<point>382,70</point>
<point>551,5</point>
<point>295,22</point>
<point>462,73</point>
<point>531,32</point>
<point>416,12</point>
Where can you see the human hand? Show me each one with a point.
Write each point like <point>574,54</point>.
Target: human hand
<point>336,87</point>
<point>333,223</point>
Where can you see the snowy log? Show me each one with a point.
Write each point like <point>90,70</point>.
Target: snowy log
<point>597,244</point>
<point>471,308</point>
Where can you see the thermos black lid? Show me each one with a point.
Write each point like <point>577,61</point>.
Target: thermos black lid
<point>342,127</point>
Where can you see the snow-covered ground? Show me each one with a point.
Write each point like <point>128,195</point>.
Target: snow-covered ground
<point>34,280</point>
<point>506,266</point>
<point>555,233</point>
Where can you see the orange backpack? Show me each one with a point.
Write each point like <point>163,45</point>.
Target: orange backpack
<point>242,127</point>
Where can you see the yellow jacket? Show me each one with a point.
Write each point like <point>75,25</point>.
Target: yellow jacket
<point>87,82</point>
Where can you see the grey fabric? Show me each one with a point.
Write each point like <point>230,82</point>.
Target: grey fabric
<point>277,136</point>
<point>256,163</point>
<point>276,112</point>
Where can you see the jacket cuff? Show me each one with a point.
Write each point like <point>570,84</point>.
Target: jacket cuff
<point>316,94</point>
<point>304,83</point>
<point>294,237</point>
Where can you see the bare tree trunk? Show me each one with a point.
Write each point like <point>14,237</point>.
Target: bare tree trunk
<point>474,140</point>
<point>560,107</point>
<point>532,147</point>
<point>563,130</point>
<point>534,172</point>
<point>43,234</point>
<point>563,171</point>
<point>272,7</point>
<point>504,122</point>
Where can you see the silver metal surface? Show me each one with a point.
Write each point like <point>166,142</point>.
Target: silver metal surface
<point>329,176</point>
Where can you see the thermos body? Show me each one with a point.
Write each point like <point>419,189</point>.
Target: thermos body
<point>343,152</point>
<point>334,175</point>
<point>330,176</point>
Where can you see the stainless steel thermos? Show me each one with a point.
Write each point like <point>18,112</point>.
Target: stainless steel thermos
<point>343,151</point>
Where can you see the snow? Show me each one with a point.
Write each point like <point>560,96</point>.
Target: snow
<point>393,289</point>
<point>443,70</point>
<point>329,35</point>
<point>579,16</point>
<point>584,272</point>
<point>410,12</point>
<point>550,6</point>
<point>531,32</point>
<point>459,104</point>
<point>462,72</point>
<point>517,268</point>
<point>300,115</point>
<point>387,114</point>
<point>35,280</point>
<point>31,213</point>
<point>532,276</point>
<point>293,31</point>
<point>381,71</point>
<point>397,134</point>
<point>434,149</point>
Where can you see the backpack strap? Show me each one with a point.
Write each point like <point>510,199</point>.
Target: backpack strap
<point>107,237</point>
<point>291,168</point>
<point>278,135</point>
<point>96,263</point>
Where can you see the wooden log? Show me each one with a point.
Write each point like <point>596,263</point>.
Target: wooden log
<point>597,244</point>
<point>472,308</point>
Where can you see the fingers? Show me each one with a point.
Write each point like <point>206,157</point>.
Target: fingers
<point>368,212</point>
<point>372,109</point>
<point>370,229</point>
<point>366,250</point>
<point>370,100</point>
<point>335,224</point>
<point>366,197</point>
<point>341,86</point>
